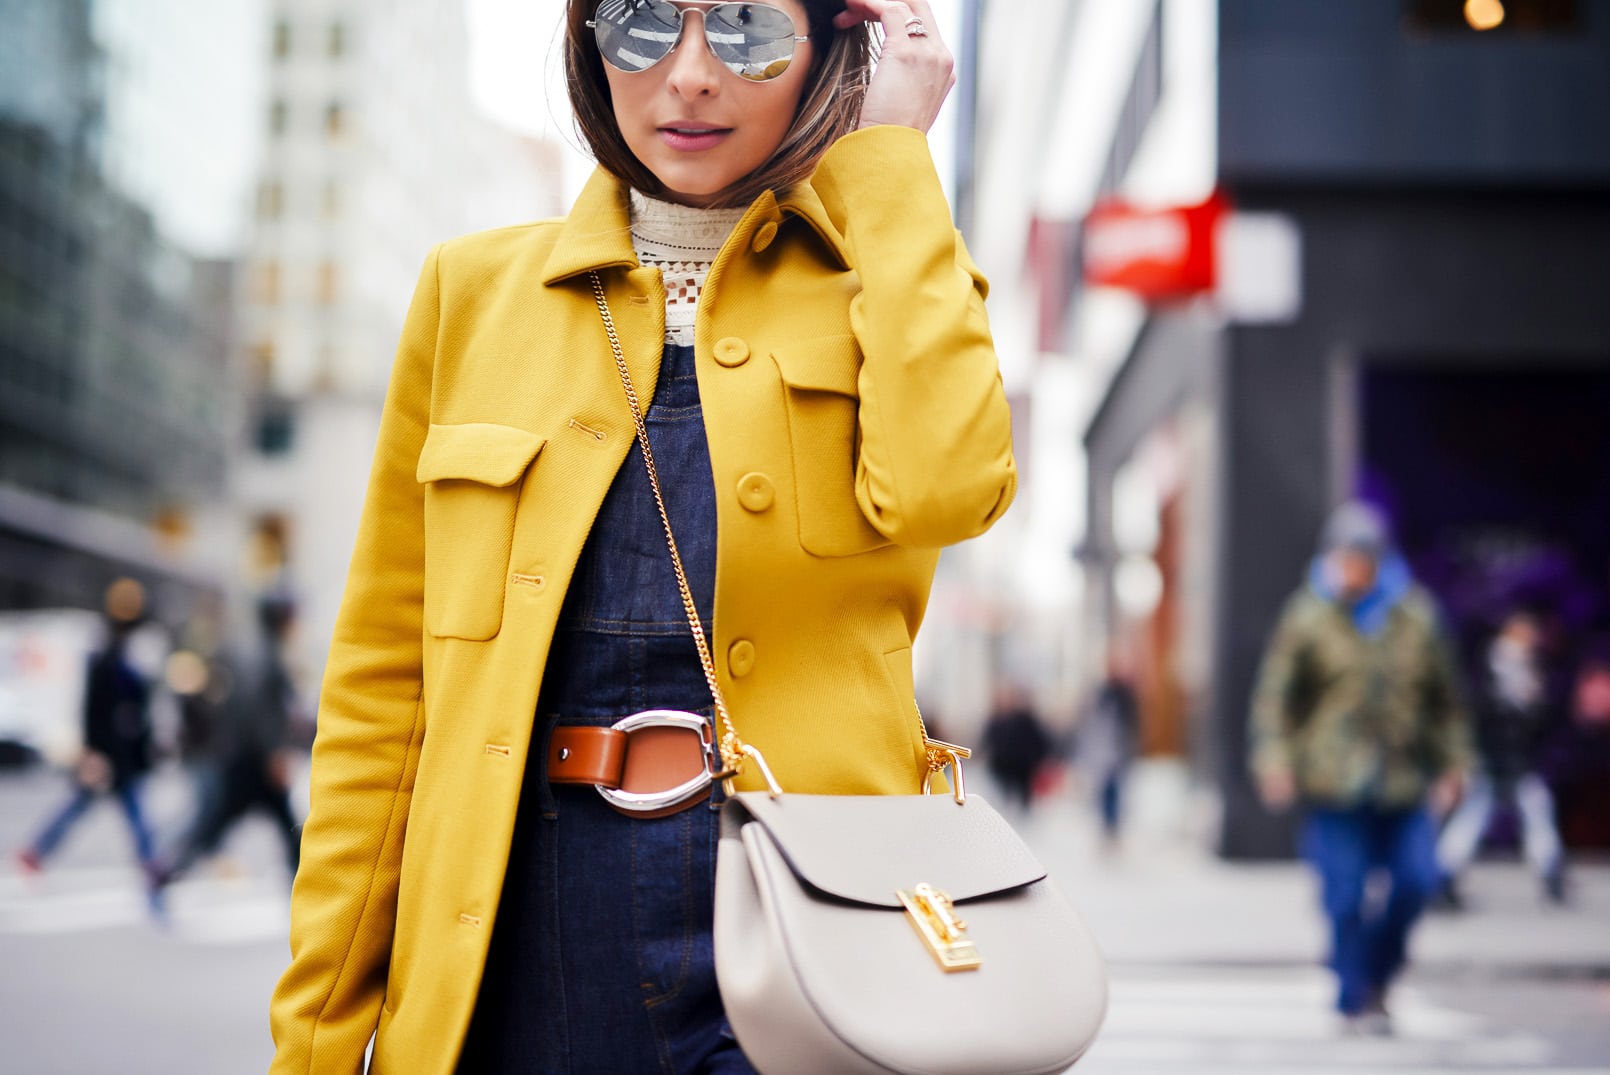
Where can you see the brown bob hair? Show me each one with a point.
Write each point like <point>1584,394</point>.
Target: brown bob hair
<point>829,108</point>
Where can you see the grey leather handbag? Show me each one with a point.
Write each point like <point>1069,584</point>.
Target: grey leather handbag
<point>875,934</point>
<point>899,933</point>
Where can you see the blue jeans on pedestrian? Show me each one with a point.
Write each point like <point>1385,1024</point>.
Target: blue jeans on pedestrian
<point>1369,936</point>
<point>601,958</point>
<point>128,796</point>
<point>1111,801</point>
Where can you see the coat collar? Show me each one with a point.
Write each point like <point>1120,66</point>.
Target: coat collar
<point>802,201</point>
<point>597,234</point>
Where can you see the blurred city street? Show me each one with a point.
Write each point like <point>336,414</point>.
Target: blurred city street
<point>90,983</point>
<point>1298,312</point>
<point>1213,965</point>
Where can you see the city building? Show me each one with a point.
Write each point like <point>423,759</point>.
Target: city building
<point>113,341</point>
<point>1276,255</point>
<point>373,151</point>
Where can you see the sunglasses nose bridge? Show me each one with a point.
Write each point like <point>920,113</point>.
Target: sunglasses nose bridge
<point>682,29</point>
<point>703,44</point>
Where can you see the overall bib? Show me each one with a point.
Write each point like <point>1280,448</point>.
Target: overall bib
<point>601,956</point>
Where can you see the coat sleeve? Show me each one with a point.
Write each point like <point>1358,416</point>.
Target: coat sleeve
<point>1450,740</point>
<point>1270,731</point>
<point>99,700</point>
<point>366,752</point>
<point>935,463</point>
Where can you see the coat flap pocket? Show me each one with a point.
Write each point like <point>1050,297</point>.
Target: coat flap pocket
<point>825,364</point>
<point>865,847</point>
<point>479,452</point>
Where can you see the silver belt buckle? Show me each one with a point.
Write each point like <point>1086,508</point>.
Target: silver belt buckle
<point>647,801</point>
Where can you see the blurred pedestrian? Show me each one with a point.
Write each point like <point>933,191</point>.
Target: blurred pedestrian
<point>195,676</point>
<point>761,286</point>
<point>1576,758</point>
<point>200,680</point>
<point>1015,745</point>
<point>1109,741</point>
<point>1512,715</point>
<point>117,751</point>
<point>1357,716</point>
<point>254,706</point>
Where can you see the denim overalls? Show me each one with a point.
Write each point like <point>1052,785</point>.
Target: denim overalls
<point>600,960</point>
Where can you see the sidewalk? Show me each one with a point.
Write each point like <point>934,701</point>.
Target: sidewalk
<point>1163,899</point>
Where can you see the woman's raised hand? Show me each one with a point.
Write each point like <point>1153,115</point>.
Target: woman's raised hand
<point>916,70</point>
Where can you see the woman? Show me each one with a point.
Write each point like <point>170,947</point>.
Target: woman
<point>825,410</point>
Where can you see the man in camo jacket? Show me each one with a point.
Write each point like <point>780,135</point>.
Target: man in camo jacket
<point>1358,717</point>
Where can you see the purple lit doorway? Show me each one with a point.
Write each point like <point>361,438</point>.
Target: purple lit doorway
<point>1498,484</point>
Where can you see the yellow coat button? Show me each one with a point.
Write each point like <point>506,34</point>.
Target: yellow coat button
<point>741,657</point>
<point>755,492</point>
<point>764,235</point>
<point>731,351</point>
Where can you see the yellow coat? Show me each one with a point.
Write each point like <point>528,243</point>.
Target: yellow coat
<point>856,424</point>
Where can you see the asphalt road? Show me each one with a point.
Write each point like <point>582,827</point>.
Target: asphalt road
<point>91,983</point>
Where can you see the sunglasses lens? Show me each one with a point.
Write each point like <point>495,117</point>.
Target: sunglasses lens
<point>754,41</point>
<point>634,35</point>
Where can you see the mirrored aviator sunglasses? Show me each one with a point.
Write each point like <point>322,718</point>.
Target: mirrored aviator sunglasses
<point>753,41</point>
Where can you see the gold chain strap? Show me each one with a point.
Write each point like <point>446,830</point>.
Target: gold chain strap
<point>733,749</point>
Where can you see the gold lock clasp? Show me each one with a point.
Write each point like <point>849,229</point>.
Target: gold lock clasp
<point>934,918</point>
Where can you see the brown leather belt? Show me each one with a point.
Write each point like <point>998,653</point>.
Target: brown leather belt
<point>648,765</point>
<point>587,756</point>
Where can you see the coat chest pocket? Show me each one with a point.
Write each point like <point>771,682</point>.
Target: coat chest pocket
<point>823,431</point>
<point>471,475</point>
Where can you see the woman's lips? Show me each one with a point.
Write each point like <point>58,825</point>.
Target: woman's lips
<point>690,138</point>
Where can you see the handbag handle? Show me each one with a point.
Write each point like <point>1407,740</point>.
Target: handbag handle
<point>939,754</point>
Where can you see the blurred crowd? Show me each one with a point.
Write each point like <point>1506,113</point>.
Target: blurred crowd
<point>1400,760</point>
<point>240,723</point>
<point>1531,692</point>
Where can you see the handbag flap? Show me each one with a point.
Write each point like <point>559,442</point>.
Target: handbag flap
<point>863,848</point>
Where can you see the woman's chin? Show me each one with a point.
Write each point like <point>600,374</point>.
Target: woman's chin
<point>699,198</point>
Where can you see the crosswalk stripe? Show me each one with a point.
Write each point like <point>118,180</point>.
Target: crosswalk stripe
<point>203,910</point>
<point>1279,1020</point>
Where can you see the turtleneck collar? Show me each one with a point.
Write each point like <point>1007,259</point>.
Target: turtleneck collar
<point>687,230</point>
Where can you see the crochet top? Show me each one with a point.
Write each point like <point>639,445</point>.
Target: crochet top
<point>682,241</point>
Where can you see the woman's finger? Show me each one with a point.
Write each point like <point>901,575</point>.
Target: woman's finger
<point>898,18</point>
<point>855,12</point>
<point>894,15</point>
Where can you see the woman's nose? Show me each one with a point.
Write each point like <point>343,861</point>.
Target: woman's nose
<point>695,71</point>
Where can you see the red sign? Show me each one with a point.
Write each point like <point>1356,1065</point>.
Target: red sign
<point>1157,253</point>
